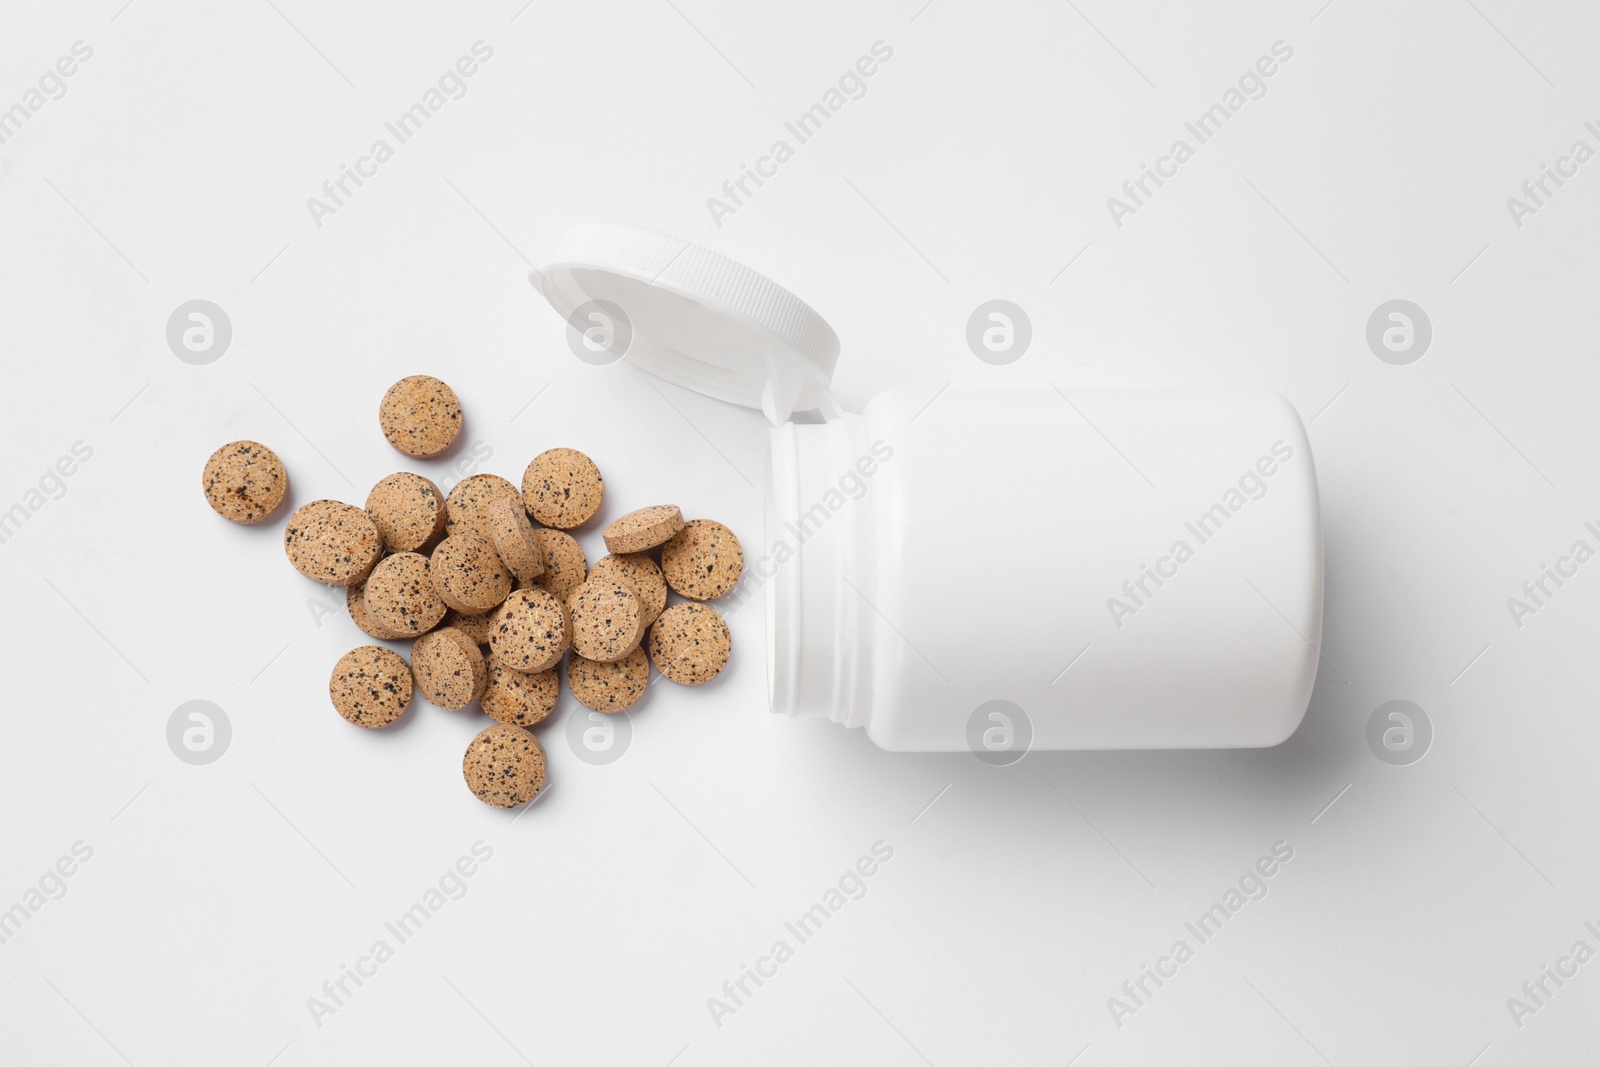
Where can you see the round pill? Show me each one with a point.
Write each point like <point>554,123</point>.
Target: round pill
<point>519,698</point>
<point>642,529</point>
<point>467,506</point>
<point>408,510</point>
<point>355,601</point>
<point>474,626</point>
<point>370,686</point>
<point>332,543</point>
<point>420,416</point>
<point>639,573</point>
<point>514,539</point>
<point>703,560</point>
<point>467,572</point>
<point>690,644</point>
<point>609,687</point>
<point>244,482</point>
<point>530,631</point>
<point>562,488</point>
<point>607,622</point>
<point>400,596</point>
<point>565,566</point>
<point>448,668</point>
<point>504,766</point>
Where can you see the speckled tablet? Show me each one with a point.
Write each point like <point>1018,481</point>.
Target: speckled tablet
<point>565,566</point>
<point>400,596</point>
<point>468,573</point>
<point>475,626</point>
<point>703,560</point>
<point>690,643</point>
<point>530,631</point>
<point>244,482</point>
<point>408,510</point>
<point>639,573</point>
<point>467,506</point>
<point>609,687</point>
<point>355,602</point>
<point>448,668</point>
<point>519,698</point>
<point>607,621</point>
<point>331,542</point>
<point>504,766</point>
<point>370,686</point>
<point>642,529</point>
<point>515,540</point>
<point>420,416</point>
<point>562,488</point>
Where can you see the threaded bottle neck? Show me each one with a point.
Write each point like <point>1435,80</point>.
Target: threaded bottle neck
<point>817,654</point>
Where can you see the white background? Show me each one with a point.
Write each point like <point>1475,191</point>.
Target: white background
<point>219,898</point>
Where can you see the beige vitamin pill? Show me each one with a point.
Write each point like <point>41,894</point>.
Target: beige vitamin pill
<point>370,686</point>
<point>355,601</point>
<point>609,687</point>
<point>408,510</point>
<point>703,560</point>
<point>519,698</point>
<point>448,668</point>
<point>530,631</point>
<point>400,596</point>
<point>474,626</point>
<point>504,766</point>
<point>244,482</point>
<point>331,542</point>
<point>420,416</point>
<point>607,621</point>
<point>468,573</point>
<point>642,529</point>
<point>690,643</point>
<point>639,573</point>
<point>514,539</point>
<point>565,566</point>
<point>562,488</point>
<point>467,506</point>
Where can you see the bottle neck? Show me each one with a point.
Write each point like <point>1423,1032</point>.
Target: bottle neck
<point>818,517</point>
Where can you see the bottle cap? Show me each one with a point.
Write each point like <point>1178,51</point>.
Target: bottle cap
<point>692,317</point>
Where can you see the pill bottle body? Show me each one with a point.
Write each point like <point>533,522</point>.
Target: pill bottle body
<point>1003,570</point>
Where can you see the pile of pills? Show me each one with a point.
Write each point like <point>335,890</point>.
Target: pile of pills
<point>492,590</point>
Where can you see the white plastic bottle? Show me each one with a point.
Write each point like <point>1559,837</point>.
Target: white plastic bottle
<point>1003,569</point>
